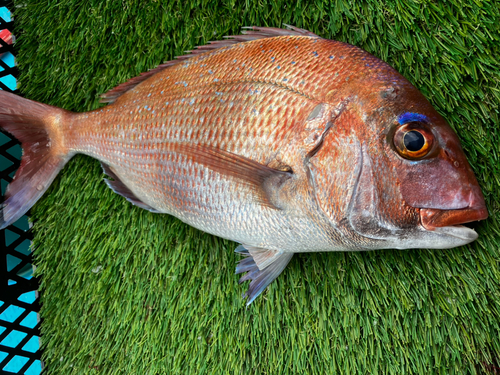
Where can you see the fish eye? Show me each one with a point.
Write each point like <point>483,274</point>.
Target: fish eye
<point>413,140</point>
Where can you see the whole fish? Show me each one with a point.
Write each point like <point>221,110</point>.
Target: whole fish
<point>278,139</point>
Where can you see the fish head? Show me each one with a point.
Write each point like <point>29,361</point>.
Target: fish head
<point>396,170</point>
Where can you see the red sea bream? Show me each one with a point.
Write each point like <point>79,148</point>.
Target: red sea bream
<point>277,139</point>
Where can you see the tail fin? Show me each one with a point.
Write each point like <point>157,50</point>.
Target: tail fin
<point>33,124</point>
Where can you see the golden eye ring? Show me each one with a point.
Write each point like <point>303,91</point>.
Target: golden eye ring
<point>413,140</point>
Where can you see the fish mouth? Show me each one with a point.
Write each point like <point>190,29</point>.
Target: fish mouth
<point>448,222</point>
<point>432,219</point>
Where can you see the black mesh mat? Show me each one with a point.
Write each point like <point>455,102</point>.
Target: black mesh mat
<point>19,327</point>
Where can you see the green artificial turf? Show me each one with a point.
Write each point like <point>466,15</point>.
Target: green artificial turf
<point>125,291</point>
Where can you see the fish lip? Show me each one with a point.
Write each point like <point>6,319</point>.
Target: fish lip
<point>461,232</point>
<point>431,219</point>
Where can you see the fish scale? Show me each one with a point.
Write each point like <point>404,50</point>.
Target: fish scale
<point>265,61</point>
<point>278,139</point>
<point>176,122</point>
<point>182,188</point>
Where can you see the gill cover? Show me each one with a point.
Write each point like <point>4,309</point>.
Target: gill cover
<point>357,188</point>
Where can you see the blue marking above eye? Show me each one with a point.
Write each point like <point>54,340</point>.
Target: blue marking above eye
<point>411,117</point>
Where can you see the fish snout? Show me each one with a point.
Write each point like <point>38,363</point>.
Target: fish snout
<point>475,211</point>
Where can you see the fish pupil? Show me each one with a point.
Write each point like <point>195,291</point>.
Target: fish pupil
<point>414,141</point>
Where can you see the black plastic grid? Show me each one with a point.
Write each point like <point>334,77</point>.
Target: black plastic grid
<point>19,301</point>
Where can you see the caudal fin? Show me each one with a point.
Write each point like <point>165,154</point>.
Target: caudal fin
<point>35,126</point>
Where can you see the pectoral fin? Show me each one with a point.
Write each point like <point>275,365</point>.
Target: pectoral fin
<point>272,263</point>
<point>263,180</point>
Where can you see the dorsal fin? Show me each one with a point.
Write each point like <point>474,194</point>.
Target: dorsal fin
<point>248,34</point>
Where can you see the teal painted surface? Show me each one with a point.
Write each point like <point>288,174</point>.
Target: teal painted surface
<point>12,312</point>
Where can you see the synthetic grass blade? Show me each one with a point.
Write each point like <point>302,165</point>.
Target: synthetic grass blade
<point>128,291</point>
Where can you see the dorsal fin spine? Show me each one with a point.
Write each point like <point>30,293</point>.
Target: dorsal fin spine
<point>248,34</point>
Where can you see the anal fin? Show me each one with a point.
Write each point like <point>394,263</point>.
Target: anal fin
<point>272,263</point>
<point>120,188</point>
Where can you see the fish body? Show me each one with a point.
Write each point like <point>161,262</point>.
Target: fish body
<point>277,139</point>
